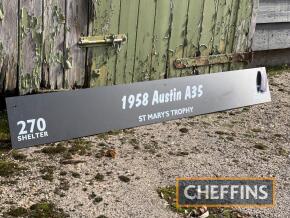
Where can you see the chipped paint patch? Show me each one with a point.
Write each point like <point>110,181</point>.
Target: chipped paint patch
<point>54,53</point>
<point>30,29</point>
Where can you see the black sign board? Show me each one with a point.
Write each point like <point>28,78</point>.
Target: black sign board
<point>52,117</point>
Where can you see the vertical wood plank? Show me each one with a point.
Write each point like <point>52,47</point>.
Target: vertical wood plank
<point>232,26</point>
<point>160,40</point>
<point>241,42</point>
<point>178,34</point>
<point>53,44</point>
<point>144,40</point>
<point>75,57</point>
<point>253,24</point>
<point>195,13</point>
<point>115,23</point>
<point>208,28</point>
<point>231,30</point>
<point>128,26</point>
<point>220,34</point>
<point>8,46</point>
<point>243,26</point>
<point>191,48</point>
<point>30,60</point>
<point>102,60</point>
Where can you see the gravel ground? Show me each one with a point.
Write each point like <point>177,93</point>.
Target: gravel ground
<point>118,174</point>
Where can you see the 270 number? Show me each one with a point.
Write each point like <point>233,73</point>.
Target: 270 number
<point>135,101</point>
<point>40,124</point>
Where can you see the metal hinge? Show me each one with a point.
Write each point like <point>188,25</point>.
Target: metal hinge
<point>106,40</point>
<point>212,60</point>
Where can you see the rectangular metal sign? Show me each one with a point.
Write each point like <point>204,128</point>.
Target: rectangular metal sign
<point>52,117</point>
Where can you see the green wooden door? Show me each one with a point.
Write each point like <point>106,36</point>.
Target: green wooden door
<point>39,41</point>
<point>159,32</point>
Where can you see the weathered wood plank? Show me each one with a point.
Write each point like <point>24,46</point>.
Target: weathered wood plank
<point>8,45</point>
<point>231,28</point>
<point>211,60</point>
<point>194,21</point>
<point>242,30</point>
<point>75,57</point>
<point>102,60</point>
<point>160,40</point>
<point>194,24</point>
<point>243,26</point>
<point>178,35</point>
<point>207,34</point>
<point>220,34</point>
<point>253,24</point>
<point>53,44</point>
<point>128,26</point>
<point>31,38</point>
<point>144,40</point>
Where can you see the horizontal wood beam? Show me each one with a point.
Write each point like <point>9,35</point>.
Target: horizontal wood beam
<point>212,60</point>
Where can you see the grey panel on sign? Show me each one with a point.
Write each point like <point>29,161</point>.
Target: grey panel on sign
<point>47,118</point>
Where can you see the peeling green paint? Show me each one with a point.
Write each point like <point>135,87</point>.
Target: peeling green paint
<point>158,33</point>
<point>144,40</point>
<point>49,56</point>
<point>160,40</point>
<point>219,32</point>
<point>242,29</point>
<point>102,63</point>
<point>58,20</point>
<point>30,23</point>
<point>178,35</point>
<point>30,81</point>
<point>30,26</point>
<point>210,13</point>
<point>128,24</point>
<point>195,13</point>
<point>58,15</point>
<point>68,60</point>
<point>53,54</point>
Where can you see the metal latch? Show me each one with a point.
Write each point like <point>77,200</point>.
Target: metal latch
<point>212,60</point>
<point>107,40</point>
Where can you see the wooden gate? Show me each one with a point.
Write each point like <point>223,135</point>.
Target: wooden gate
<point>39,41</point>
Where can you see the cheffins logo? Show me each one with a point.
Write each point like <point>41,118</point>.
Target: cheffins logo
<point>225,192</point>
